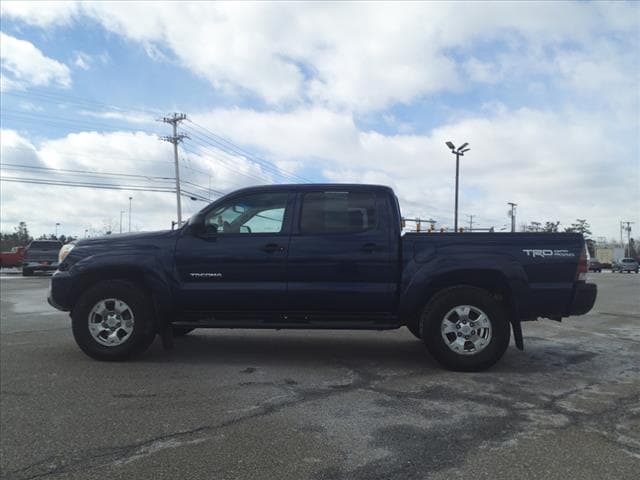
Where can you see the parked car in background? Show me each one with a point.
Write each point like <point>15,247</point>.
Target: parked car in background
<point>595,265</point>
<point>12,258</point>
<point>626,265</point>
<point>41,255</point>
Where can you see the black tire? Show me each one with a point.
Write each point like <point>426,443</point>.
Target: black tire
<point>434,314</point>
<point>140,304</point>
<point>26,272</point>
<point>181,331</point>
<point>414,328</point>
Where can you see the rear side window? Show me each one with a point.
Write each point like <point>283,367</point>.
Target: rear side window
<point>338,212</point>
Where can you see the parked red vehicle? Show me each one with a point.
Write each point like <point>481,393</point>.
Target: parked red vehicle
<point>13,258</point>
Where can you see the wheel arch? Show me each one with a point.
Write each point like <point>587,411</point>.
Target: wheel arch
<point>491,280</point>
<point>149,281</point>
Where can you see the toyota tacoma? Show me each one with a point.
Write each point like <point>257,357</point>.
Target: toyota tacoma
<point>330,256</point>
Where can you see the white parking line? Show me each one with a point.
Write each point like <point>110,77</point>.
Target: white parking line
<point>8,277</point>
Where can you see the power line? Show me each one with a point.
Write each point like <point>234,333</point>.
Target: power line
<point>226,144</point>
<point>54,97</point>
<point>43,181</point>
<point>212,147</point>
<point>14,166</point>
<point>224,164</point>
<point>105,186</point>
<point>70,121</point>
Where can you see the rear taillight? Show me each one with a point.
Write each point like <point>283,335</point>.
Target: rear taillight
<point>583,266</point>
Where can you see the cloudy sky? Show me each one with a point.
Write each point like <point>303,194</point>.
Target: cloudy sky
<point>547,95</point>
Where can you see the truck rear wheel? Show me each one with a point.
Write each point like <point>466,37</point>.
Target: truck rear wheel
<point>465,329</point>
<point>113,320</point>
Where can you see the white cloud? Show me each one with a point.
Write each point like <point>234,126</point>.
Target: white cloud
<point>124,115</point>
<point>23,65</point>
<point>322,66</point>
<point>556,165</point>
<point>43,13</point>
<point>91,154</point>
<point>359,56</point>
<point>85,61</point>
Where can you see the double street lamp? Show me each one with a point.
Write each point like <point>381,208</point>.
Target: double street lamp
<point>458,152</point>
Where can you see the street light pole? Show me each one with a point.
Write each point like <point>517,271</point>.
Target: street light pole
<point>512,214</point>
<point>627,251</point>
<point>130,213</point>
<point>57,224</point>
<point>458,152</point>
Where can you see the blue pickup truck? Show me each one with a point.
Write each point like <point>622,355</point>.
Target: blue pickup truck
<point>328,256</point>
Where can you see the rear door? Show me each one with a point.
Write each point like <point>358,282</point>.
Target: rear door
<point>239,262</point>
<point>340,257</point>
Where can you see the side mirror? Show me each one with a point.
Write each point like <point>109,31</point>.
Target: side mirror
<point>198,227</point>
<point>196,224</point>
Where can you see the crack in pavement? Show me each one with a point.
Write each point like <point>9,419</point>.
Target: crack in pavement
<point>98,457</point>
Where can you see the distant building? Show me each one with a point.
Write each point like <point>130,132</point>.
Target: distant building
<point>609,254</point>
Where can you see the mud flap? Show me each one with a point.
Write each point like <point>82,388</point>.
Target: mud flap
<point>163,325</point>
<point>517,333</point>
<point>167,336</point>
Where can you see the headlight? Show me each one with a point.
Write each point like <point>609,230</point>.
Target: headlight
<point>64,251</point>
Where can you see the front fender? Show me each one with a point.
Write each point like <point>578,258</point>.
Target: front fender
<point>146,269</point>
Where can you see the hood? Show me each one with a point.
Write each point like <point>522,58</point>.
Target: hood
<point>125,238</point>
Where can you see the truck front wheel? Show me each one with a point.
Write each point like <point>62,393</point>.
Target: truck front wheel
<point>113,320</point>
<point>465,329</point>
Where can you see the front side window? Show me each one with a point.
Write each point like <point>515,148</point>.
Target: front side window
<point>338,212</point>
<point>256,213</point>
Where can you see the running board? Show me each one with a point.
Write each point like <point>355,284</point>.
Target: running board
<point>347,321</point>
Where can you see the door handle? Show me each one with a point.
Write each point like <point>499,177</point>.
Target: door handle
<point>369,247</point>
<point>272,247</point>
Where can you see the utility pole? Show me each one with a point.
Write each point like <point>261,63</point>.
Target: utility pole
<point>470,222</point>
<point>628,229</point>
<point>621,241</point>
<point>130,214</point>
<point>512,214</point>
<point>176,138</point>
<point>459,152</point>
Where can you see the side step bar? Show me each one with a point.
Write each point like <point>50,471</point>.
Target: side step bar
<point>347,321</point>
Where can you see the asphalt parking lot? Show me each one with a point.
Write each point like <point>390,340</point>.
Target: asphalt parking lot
<point>240,404</point>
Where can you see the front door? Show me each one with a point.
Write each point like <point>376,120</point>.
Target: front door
<point>237,260</point>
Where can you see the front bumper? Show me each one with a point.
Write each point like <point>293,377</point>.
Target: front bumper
<point>584,298</point>
<point>59,292</point>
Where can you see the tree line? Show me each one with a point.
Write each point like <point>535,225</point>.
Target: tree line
<point>20,237</point>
